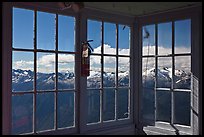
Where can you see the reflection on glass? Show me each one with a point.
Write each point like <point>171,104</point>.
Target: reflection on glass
<point>123,103</point>
<point>66,73</point>
<point>23,28</point>
<point>148,40</point>
<point>148,106</point>
<point>163,106</point>
<point>22,71</point>
<point>45,71</point>
<point>182,108</point>
<point>183,36</point>
<point>66,31</point>
<point>65,109</point>
<point>109,71</point>
<point>123,71</point>
<point>22,114</point>
<point>45,31</point>
<point>165,38</point>
<point>109,38</point>
<point>94,80</point>
<point>148,72</point>
<point>109,104</point>
<point>94,33</point>
<point>164,73</point>
<point>182,72</point>
<point>124,40</point>
<point>45,111</point>
<point>93,106</point>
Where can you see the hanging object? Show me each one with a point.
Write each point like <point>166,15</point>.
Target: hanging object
<point>85,58</point>
<point>75,6</point>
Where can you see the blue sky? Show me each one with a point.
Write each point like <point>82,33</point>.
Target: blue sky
<point>23,33</point>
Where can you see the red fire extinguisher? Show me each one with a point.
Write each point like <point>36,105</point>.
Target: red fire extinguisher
<point>85,62</point>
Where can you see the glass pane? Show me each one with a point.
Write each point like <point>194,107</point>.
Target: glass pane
<point>123,103</point>
<point>94,33</point>
<point>165,38</point>
<point>109,104</point>
<point>148,40</point>
<point>123,40</point>
<point>93,106</point>
<point>109,71</point>
<point>45,111</point>
<point>23,28</point>
<point>182,108</point>
<point>22,113</point>
<point>183,72</point>
<point>45,31</point>
<point>66,72</point>
<point>109,38</point>
<point>45,71</point>
<point>66,107</point>
<point>66,32</point>
<point>22,71</point>
<point>148,72</point>
<point>183,36</point>
<point>148,107</point>
<point>164,73</point>
<point>94,80</point>
<point>163,106</point>
<point>123,71</point>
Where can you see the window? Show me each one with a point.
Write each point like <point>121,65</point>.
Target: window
<point>43,72</point>
<point>108,86</point>
<point>166,73</point>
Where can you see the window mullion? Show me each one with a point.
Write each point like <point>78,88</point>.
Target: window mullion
<point>56,71</point>
<point>35,72</point>
<point>173,71</point>
<point>116,74</point>
<point>102,71</point>
<point>156,66</point>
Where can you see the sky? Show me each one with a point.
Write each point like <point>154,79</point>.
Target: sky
<point>23,33</point>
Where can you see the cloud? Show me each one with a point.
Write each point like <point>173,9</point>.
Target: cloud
<point>46,63</point>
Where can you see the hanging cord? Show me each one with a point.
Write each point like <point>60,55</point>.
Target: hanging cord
<point>147,35</point>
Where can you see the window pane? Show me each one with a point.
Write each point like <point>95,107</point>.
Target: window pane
<point>163,106</point>
<point>23,28</point>
<point>45,111</point>
<point>123,40</point>
<point>45,31</point>
<point>123,71</point>
<point>66,31</point>
<point>22,71</point>
<point>22,113</point>
<point>183,36</point>
<point>109,104</point>
<point>148,40</point>
<point>94,80</point>
<point>109,38</point>
<point>123,103</point>
<point>109,71</point>
<point>66,73</point>
<point>164,74</point>
<point>45,71</point>
<point>183,72</point>
<point>93,106</point>
<point>148,107</point>
<point>165,38</point>
<point>182,107</point>
<point>148,72</point>
<point>66,107</point>
<point>94,33</point>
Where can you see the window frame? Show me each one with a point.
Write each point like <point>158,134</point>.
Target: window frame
<point>172,16</point>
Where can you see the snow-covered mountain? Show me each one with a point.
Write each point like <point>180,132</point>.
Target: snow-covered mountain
<point>164,76</point>
<point>23,79</point>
